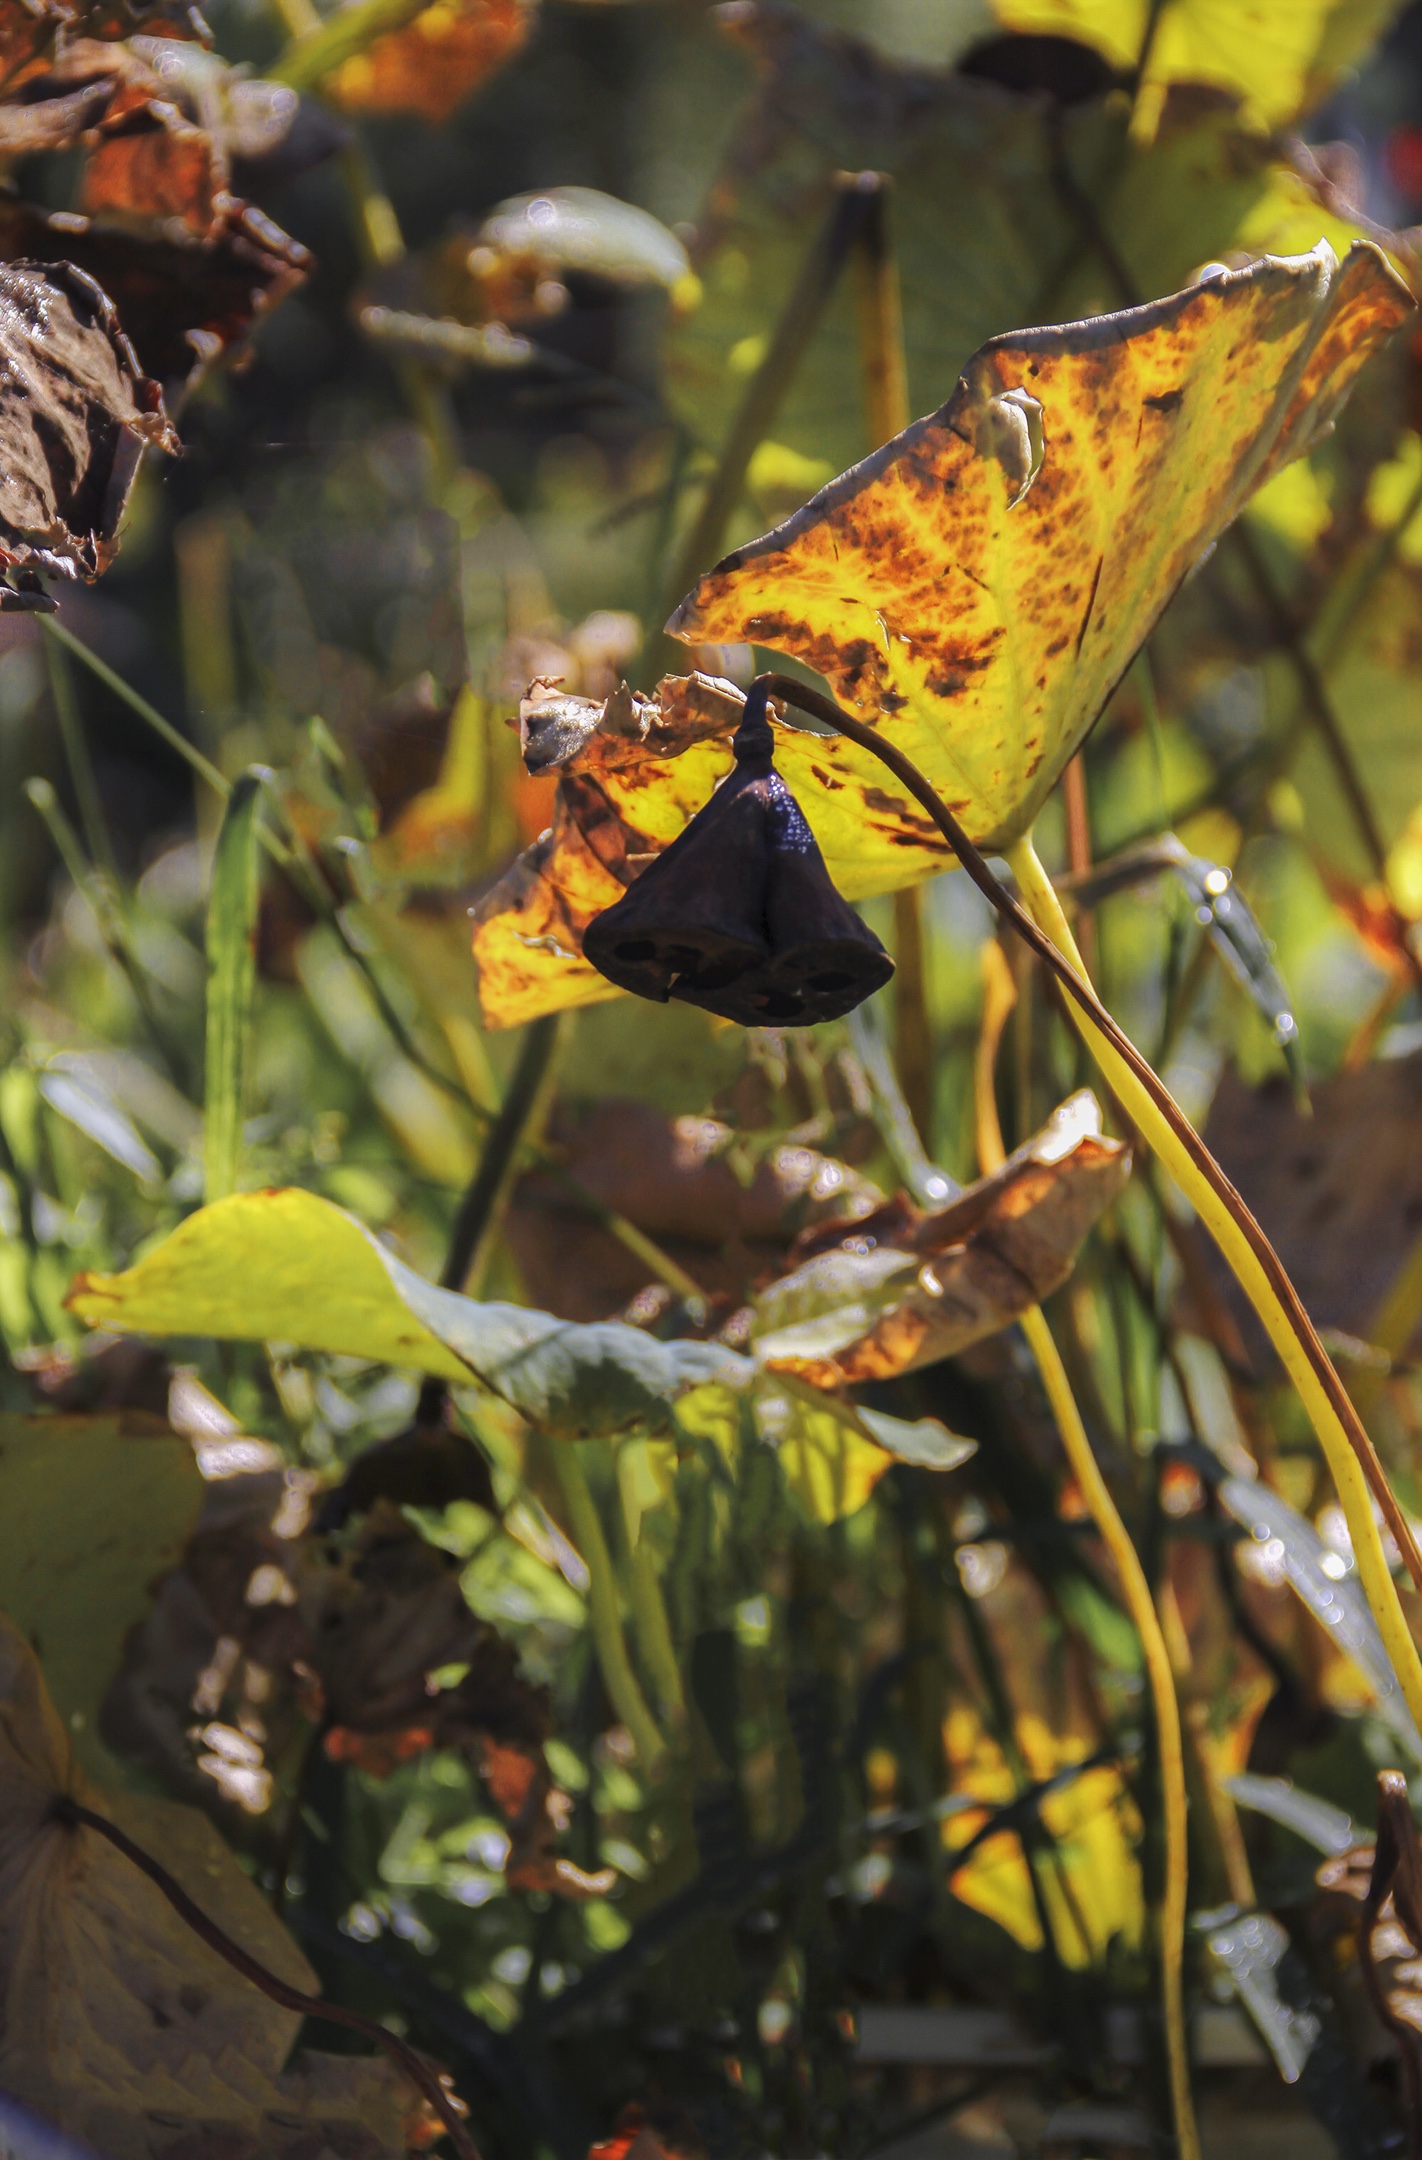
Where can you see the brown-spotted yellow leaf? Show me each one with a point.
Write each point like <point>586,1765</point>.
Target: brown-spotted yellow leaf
<point>899,1290</point>
<point>116,2020</point>
<point>632,771</point>
<point>980,585</point>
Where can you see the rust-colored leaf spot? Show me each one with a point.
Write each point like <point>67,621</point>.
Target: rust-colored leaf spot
<point>431,65</point>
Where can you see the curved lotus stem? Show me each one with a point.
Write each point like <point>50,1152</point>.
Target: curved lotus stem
<point>1351,1457</point>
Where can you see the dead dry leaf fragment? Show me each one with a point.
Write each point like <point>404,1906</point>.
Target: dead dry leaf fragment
<point>979,586</point>
<point>182,301</point>
<point>76,413</point>
<point>900,1290</point>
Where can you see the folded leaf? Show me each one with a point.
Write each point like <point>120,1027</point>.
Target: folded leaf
<point>901,1290</point>
<point>979,586</point>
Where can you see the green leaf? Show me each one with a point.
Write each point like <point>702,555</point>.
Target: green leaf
<point>231,981</point>
<point>289,1267</point>
<point>92,1510</point>
<point>87,1103</point>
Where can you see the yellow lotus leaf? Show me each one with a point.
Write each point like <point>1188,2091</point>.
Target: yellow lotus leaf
<point>632,772</point>
<point>116,2020</point>
<point>980,585</point>
<point>1277,56</point>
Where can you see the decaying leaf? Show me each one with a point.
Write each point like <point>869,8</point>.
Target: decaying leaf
<point>632,771</point>
<point>116,2020</point>
<point>1339,1193</point>
<point>268,1624</point>
<point>182,301</point>
<point>902,1289</point>
<point>435,62</point>
<point>979,586</point>
<point>76,412</point>
<point>92,1510</point>
<point>671,1177</point>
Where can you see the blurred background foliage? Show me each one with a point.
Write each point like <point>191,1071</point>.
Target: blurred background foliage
<point>469,451</point>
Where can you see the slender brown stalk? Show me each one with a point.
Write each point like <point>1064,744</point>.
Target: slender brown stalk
<point>419,2072</point>
<point>1182,1131</point>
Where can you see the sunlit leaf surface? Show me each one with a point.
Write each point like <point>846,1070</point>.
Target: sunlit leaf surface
<point>981,584</point>
<point>290,1267</point>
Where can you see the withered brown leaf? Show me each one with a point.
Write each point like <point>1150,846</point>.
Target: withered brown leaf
<point>901,1289</point>
<point>76,412</point>
<point>115,2018</point>
<point>182,301</point>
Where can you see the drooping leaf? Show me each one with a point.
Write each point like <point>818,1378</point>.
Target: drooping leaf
<point>87,1104</point>
<point>902,1290</point>
<point>581,229</point>
<point>980,585</point>
<point>434,62</point>
<point>76,413</point>
<point>287,1266</point>
<point>1337,1603</point>
<point>92,1510</point>
<point>1328,1827</point>
<point>116,2020</point>
<point>231,983</point>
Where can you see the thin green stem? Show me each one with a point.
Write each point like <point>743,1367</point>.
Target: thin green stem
<point>206,770</point>
<point>104,909</point>
<point>649,1612</point>
<point>81,768</point>
<point>1141,1607</point>
<point>623,1690</point>
<point>341,37</point>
